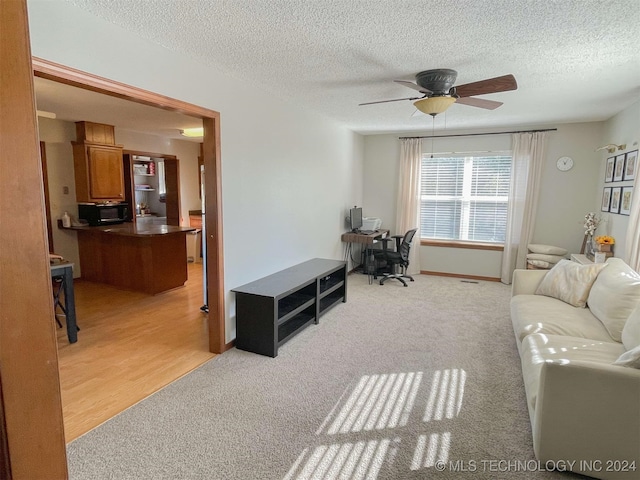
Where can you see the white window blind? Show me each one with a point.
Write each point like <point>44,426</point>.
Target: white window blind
<point>465,197</point>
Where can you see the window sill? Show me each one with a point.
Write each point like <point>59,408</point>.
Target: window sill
<point>462,244</point>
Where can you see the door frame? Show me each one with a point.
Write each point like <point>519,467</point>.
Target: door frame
<point>212,163</point>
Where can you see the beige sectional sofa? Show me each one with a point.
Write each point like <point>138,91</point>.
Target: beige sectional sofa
<point>584,409</point>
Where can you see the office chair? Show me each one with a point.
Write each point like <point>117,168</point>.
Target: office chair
<point>398,258</point>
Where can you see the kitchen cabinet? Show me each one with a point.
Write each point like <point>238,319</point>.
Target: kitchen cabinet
<point>97,162</point>
<point>95,133</point>
<point>99,172</point>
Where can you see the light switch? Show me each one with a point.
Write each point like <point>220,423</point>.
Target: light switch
<point>65,190</point>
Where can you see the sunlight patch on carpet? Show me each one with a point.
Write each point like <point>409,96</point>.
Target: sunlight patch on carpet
<point>445,397</point>
<point>359,460</point>
<point>430,450</point>
<point>377,402</point>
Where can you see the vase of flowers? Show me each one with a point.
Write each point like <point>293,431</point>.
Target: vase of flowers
<point>591,223</point>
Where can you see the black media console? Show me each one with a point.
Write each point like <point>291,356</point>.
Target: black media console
<point>271,310</point>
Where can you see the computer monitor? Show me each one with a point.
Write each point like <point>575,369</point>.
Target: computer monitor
<point>355,218</point>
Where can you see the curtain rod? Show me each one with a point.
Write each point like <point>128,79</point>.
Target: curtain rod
<point>476,134</point>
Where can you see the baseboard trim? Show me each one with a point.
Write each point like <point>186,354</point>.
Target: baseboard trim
<point>459,275</point>
<point>229,346</point>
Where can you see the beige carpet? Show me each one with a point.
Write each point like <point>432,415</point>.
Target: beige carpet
<point>397,383</point>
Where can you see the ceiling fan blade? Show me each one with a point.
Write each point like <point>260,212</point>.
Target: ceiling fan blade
<point>386,101</point>
<point>415,86</point>
<point>479,102</point>
<point>491,85</point>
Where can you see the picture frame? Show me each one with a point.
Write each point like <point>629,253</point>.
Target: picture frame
<point>614,207</point>
<point>630,165</point>
<point>625,200</point>
<point>618,171</point>
<point>608,170</point>
<point>606,199</point>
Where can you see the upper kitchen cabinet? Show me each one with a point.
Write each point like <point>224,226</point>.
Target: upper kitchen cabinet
<point>98,165</point>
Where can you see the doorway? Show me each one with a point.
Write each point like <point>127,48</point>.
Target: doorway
<point>213,181</point>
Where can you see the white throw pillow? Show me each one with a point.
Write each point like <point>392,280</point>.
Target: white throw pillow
<point>630,358</point>
<point>631,330</point>
<point>546,249</point>
<point>614,295</point>
<point>545,258</point>
<point>570,282</point>
<point>540,263</point>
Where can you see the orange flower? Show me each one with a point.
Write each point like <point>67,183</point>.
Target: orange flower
<point>605,240</point>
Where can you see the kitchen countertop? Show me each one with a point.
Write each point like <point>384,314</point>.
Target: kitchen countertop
<point>131,230</point>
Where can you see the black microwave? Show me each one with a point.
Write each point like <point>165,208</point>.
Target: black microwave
<point>103,213</point>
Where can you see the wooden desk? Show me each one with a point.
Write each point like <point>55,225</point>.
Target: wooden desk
<point>351,237</point>
<point>65,270</point>
<point>368,240</point>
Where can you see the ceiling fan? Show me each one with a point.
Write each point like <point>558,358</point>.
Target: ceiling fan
<point>439,92</point>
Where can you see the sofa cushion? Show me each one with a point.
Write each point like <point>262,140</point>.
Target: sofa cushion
<point>570,282</point>
<point>540,314</point>
<point>539,348</point>
<point>630,358</point>
<point>546,249</point>
<point>614,295</point>
<point>631,330</point>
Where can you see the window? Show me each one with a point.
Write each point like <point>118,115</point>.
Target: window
<point>162,184</point>
<point>465,198</point>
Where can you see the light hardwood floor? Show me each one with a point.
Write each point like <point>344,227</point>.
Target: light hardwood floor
<point>129,346</point>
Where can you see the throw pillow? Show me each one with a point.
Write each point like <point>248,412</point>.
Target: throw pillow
<point>540,264</point>
<point>546,249</point>
<point>570,282</point>
<point>545,258</point>
<point>614,295</point>
<point>629,358</point>
<point>631,330</point>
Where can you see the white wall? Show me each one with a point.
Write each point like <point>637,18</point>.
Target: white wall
<point>565,197</point>
<point>58,136</point>
<point>624,128</point>
<point>288,175</point>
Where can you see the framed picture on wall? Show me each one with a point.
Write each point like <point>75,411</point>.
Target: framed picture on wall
<point>615,200</point>
<point>625,200</point>
<point>608,171</point>
<point>618,171</point>
<point>630,165</point>
<point>606,199</point>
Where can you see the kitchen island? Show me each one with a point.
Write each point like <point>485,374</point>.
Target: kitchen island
<point>147,258</point>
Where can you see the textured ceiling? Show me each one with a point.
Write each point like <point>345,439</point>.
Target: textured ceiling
<point>574,60</point>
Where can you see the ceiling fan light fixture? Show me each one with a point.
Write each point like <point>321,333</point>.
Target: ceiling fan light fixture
<point>434,105</point>
<point>192,132</point>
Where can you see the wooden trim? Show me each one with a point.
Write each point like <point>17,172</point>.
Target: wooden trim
<point>31,400</point>
<point>459,275</point>
<point>462,244</point>
<point>70,76</point>
<point>213,231</point>
<point>212,161</point>
<point>47,200</point>
<point>229,345</point>
<point>149,154</point>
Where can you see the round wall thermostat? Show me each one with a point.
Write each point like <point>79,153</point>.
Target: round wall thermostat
<point>564,164</point>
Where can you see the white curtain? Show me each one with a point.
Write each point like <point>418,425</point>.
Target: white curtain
<point>408,205</point>
<point>633,230</point>
<point>528,157</point>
